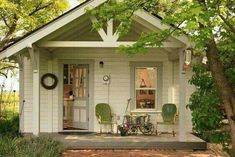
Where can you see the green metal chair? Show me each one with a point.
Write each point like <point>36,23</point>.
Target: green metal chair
<point>104,115</point>
<point>169,116</point>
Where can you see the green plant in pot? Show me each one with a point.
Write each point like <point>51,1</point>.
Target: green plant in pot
<point>123,130</point>
<point>169,112</point>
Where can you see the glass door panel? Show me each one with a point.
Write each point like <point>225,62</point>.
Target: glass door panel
<point>76,85</point>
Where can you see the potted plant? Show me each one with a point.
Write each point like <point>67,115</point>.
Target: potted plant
<point>123,129</point>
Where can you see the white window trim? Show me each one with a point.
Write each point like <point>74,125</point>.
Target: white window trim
<point>158,100</point>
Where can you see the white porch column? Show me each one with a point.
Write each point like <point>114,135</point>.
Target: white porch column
<point>21,91</point>
<point>50,93</point>
<point>34,56</point>
<point>182,99</point>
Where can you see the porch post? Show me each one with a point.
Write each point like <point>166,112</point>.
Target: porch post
<point>182,98</point>
<point>34,56</point>
<point>21,91</point>
<point>50,94</point>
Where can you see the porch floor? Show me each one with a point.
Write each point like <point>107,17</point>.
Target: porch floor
<point>107,141</point>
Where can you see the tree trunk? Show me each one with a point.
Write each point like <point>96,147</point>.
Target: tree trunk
<point>225,89</point>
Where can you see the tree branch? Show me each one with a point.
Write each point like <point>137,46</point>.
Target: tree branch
<point>227,23</point>
<point>15,39</point>
<point>8,36</point>
<point>1,73</point>
<point>8,67</point>
<point>38,8</point>
<point>5,21</point>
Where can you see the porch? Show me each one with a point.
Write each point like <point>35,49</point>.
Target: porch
<point>80,59</point>
<point>106,141</point>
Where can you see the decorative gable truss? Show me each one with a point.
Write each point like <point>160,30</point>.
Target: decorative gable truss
<point>110,36</point>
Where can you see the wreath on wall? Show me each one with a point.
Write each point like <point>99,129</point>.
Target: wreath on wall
<point>54,79</point>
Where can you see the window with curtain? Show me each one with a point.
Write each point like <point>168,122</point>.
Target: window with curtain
<point>145,87</point>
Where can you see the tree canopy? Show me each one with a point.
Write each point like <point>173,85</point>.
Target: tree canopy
<point>18,17</point>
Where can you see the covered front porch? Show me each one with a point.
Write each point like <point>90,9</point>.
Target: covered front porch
<point>81,58</point>
<point>108,141</point>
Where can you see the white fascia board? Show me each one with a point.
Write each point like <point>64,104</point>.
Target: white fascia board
<point>39,34</point>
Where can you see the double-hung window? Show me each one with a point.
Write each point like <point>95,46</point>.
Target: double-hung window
<point>146,85</point>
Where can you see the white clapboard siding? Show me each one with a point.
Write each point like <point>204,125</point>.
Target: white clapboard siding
<point>55,102</point>
<point>48,108</point>
<point>44,106</point>
<point>119,88</point>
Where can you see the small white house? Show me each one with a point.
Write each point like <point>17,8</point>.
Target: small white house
<point>89,70</point>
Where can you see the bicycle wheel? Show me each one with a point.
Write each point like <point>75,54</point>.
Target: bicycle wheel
<point>133,130</point>
<point>147,129</point>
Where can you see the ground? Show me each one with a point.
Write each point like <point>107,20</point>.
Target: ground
<point>214,150</point>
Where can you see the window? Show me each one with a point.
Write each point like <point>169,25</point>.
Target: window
<point>145,87</point>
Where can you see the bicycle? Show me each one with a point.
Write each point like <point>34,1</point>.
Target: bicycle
<point>139,122</point>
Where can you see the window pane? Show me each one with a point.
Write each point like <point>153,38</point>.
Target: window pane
<point>80,82</point>
<point>145,77</point>
<point>145,99</point>
<point>66,68</point>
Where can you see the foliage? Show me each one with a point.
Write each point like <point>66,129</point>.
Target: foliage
<point>220,137</point>
<point>9,117</point>
<point>7,146</point>
<point>216,137</point>
<point>204,102</point>
<point>205,105</point>
<point>32,147</point>
<point>12,144</point>
<point>10,127</point>
<point>18,17</point>
<point>9,103</point>
<point>9,97</point>
<point>8,69</point>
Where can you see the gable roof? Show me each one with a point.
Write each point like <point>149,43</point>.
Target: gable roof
<point>50,27</point>
<point>62,20</point>
<point>41,27</point>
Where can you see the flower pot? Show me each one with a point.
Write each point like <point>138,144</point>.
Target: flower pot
<point>123,130</point>
<point>123,133</point>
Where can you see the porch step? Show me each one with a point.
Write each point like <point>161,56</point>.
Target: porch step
<point>140,145</point>
<point>131,142</point>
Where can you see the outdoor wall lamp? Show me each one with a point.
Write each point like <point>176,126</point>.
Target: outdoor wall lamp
<point>187,58</point>
<point>101,64</point>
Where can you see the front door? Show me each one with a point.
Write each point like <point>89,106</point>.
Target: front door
<point>78,92</point>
